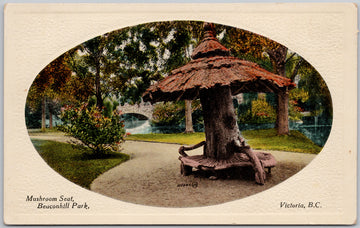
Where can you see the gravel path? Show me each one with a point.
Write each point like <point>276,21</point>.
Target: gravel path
<point>152,177</point>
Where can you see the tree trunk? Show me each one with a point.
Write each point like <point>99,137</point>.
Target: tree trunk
<point>99,101</point>
<point>188,117</point>
<point>282,120</point>
<point>278,59</point>
<point>43,116</point>
<point>50,116</point>
<point>221,128</point>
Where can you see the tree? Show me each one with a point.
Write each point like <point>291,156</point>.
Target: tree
<point>185,35</point>
<point>48,85</point>
<point>132,53</point>
<point>319,102</point>
<point>33,116</point>
<point>139,55</point>
<point>81,84</point>
<point>121,63</point>
<point>280,57</point>
<point>258,48</point>
<point>94,65</point>
<point>188,118</point>
<point>179,56</point>
<point>94,57</point>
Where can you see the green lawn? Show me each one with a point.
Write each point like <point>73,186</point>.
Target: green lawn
<point>179,138</point>
<point>257,139</point>
<point>269,140</point>
<point>72,163</point>
<point>54,131</point>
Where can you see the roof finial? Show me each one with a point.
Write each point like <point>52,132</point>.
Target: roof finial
<point>209,30</point>
<point>209,45</point>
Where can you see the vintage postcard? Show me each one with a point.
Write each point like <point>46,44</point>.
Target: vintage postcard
<point>180,113</point>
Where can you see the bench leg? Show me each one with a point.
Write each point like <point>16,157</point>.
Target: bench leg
<point>185,170</point>
<point>269,170</point>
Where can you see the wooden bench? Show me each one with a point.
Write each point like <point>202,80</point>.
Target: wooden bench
<point>202,162</point>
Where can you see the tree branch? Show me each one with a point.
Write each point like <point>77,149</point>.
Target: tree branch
<point>294,73</point>
<point>292,55</point>
<point>271,53</point>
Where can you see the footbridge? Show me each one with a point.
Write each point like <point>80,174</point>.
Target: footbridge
<point>142,111</point>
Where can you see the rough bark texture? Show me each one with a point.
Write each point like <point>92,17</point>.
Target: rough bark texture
<point>282,120</point>
<point>278,59</point>
<point>43,117</point>
<point>258,167</point>
<point>221,129</point>
<point>188,117</point>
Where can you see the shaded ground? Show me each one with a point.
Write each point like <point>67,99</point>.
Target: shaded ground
<point>55,136</point>
<point>76,163</point>
<point>152,177</point>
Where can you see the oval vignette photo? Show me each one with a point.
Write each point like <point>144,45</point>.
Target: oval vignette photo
<point>178,114</point>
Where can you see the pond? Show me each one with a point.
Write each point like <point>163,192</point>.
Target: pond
<point>317,133</point>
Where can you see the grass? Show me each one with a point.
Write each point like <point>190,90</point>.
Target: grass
<point>179,138</point>
<point>52,132</point>
<point>258,139</point>
<point>269,140</point>
<point>73,163</point>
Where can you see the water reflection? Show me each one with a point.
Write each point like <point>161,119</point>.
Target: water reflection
<point>317,133</point>
<point>136,123</point>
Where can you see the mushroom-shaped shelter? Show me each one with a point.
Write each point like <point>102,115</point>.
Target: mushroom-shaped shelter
<point>214,76</point>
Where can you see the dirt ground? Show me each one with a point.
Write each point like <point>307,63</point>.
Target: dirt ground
<point>152,177</point>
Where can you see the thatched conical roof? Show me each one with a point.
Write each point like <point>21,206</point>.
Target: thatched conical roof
<point>212,66</point>
<point>209,45</point>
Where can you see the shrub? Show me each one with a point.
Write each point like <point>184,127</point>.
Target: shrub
<point>295,110</point>
<point>168,113</point>
<point>297,95</point>
<point>173,113</point>
<point>96,131</point>
<point>32,117</point>
<point>260,112</point>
